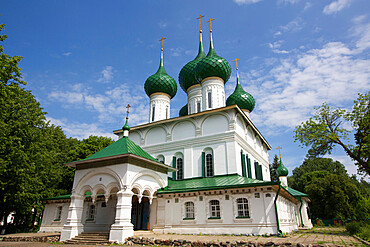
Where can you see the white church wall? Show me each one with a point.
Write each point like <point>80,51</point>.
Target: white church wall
<point>287,215</point>
<point>155,135</point>
<point>135,137</point>
<point>49,222</point>
<point>262,215</point>
<point>183,130</point>
<point>215,124</point>
<point>239,127</point>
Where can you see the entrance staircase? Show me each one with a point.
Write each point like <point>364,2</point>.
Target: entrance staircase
<point>90,238</point>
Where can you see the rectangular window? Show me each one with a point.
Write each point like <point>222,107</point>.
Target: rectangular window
<point>198,106</point>
<point>209,99</point>
<point>189,210</point>
<point>243,209</point>
<point>180,169</point>
<point>59,213</point>
<point>91,212</point>
<point>214,209</point>
<point>153,113</point>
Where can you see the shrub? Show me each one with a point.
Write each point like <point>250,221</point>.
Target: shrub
<point>353,228</point>
<point>365,233</point>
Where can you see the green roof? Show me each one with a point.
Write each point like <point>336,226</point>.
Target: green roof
<point>294,192</point>
<point>62,197</point>
<point>122,146</point>
<point>160,82</point>
<point>212,183</point>
<point>241,98</point>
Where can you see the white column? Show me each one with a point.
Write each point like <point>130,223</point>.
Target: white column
<point>122,227</point>
<point>194,98</point>
<point>159,106</point>
<point>213,93</point>
<point>74,225</point>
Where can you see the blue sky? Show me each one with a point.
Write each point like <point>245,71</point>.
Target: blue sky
<point>86,60</point>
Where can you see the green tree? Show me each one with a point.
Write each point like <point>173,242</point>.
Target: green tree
<point>275,164</point>
<point>326,129</point>
<point>88,147</point>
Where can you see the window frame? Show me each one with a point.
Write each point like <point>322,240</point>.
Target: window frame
<point>244,203</point>
<point>214,209</point>
<point>189,210</point>
<point>58,213</point>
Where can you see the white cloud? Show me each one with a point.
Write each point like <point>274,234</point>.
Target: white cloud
<point>175,52</point>
<point>287,94</point>
<point>307,6</point>
<point>292,26</point>
<point>67,54</point>
<point>108,105</point>
<point>106,74</point>
<point>162,24</point>
<point>241,2</point>
<point>336,6</point>
<point>80,130</point>
<point>275,47</point>
<point>361,30</point>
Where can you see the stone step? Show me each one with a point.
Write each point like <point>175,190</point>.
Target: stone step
<point>93,238</point>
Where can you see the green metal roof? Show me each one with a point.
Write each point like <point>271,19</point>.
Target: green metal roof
<point>212,183</point>
<point>62,197</point>
<point>294,192</point>
<point>160,82</point>
<point>122,146</point>
<point>241,98</point>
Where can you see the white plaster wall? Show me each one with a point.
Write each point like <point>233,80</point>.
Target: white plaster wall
<point>183,130</point>
<point>162,107</point>
<point>215,124</point>
<point>287,215</point>
<point>216,86</point>
<point>50,211</point>
<point>260,221</point>
<point>194,96</point>
<point>135,137</point>
<point>155,135</point>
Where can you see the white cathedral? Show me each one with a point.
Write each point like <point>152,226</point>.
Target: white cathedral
<point>204,172</point>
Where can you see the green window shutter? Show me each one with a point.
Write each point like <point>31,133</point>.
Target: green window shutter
<point>249,167</point>
<point>203,164</point>
<point>244,172</point>
<point>174,166</point>
<point>256,169</point>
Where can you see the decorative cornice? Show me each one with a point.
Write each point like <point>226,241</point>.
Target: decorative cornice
<point>214,78</point>
<point>160,93</point>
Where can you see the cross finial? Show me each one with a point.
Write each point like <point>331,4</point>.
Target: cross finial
<point>128,110</point>
<point>279,151</point>
<point>210,23</point>
<point>237,69</point>
<point>162,43</point>
<point>200,21</point>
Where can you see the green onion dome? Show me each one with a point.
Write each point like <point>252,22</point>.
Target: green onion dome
<point>184,111</point>
<point>160,82</point>
<point>126,126</point>
<point>282,170</point>
<point>212,65</point>
<point>241,98</point>
<point>186,76</point>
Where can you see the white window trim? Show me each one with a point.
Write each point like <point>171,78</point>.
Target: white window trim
<point>208,213</point>
<point>56,213</point>
<point>235,208</point>
<point>89,220</point>
<point>183,210</point>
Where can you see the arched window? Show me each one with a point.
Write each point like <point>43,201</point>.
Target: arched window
<point>198,106</point>
<point>189,210</point>
<point>243,208</point>
<point>161,159</point>
<point>209,99</point>
<point>214,209</point>
<point>209,165</point>
<point>153,112</point>
<point>180,168</point>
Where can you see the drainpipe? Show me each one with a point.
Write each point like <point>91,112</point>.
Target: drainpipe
<point>300,211</point>
<point>42,211</point>
<point>276,211</point>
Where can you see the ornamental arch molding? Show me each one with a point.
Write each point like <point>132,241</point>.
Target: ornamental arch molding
<point>160,182</point>
<point>83,183</point>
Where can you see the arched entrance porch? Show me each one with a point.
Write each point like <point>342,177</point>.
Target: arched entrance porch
<point>140,211</point>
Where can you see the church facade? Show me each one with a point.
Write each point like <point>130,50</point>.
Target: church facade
<point>206,171</point>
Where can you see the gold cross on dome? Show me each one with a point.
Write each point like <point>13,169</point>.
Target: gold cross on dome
<point>162,42</point>
<point>128,110</point>
<point>279,151</point>
<point>237,69</point>
<point>200,21</point>
<point>210,23</point>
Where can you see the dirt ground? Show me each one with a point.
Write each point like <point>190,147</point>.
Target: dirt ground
<point>329,236</point>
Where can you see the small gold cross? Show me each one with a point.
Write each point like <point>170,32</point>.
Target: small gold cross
<point>128,110</point>
<point>210,23</point>
<point>279,151</point>
<point>162,42</point>
<point>200,21</point>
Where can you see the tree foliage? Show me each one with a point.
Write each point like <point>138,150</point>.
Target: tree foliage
<point>32,151</point>
<point>332,192</point>
<point>326,129</point>
<point>275,164</point>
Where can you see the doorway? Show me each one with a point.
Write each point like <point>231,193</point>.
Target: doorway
<point>140,213</point>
